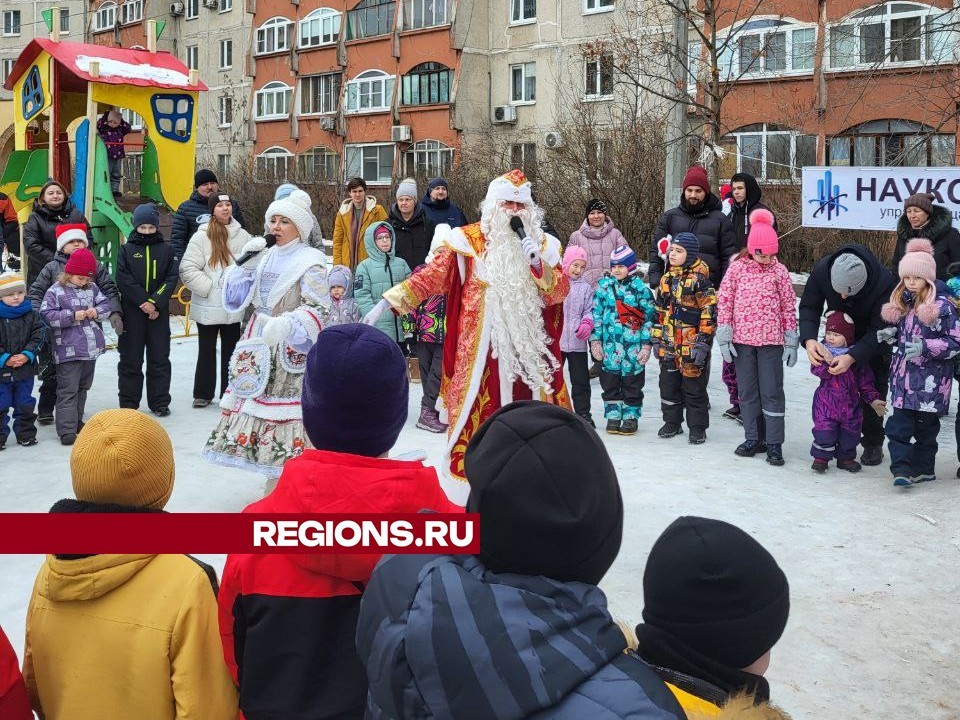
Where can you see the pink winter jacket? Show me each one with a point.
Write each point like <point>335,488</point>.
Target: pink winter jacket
<point>758,301</point>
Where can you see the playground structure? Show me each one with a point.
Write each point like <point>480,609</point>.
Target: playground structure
<point>60,89</point>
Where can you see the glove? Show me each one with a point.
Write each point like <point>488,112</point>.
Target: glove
<point>791,340</point>
<point>374,315</point>
<point>254,245</point>
<point>879,407</point>
<point>700,353</point>
<point>596,349</point>
<point>913,349</point>
<point>645,354</point>
<point>276,330</point>
<point>887,335</point>
<point>725,343</point>
<point>116,322</point>
<point>584,329</point>
<point>532,251</point>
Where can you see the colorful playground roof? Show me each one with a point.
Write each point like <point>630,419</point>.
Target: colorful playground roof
<point>118,66</point>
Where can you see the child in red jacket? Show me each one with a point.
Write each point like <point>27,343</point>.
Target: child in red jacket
<point>288,621</point>
<point>14,701</point>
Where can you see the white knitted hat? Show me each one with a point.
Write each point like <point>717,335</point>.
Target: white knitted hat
<point>296,208</point>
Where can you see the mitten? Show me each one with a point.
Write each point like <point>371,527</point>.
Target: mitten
<point>912,349</point>
<point>584,329</point>
<point>887,335</point>
<point>116,322</point>
<point>700,353</point>
<point>374,315</point>
<point>645,354</point>
<point>276,330</point>
<point>725,342</point>
<point>596,349</point>
<point>791,340</point>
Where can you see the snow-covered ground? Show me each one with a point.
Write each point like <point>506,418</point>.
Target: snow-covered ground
<point>875,623</point>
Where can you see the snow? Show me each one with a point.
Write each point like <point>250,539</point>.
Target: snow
<point>873,630</point>
<point>118,68</point>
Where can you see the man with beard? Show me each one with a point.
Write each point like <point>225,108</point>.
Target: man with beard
<point>504,315</point>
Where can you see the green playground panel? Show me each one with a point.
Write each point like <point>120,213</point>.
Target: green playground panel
<point>25,173</point>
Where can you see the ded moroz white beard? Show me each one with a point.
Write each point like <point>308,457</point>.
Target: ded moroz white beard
<point>517,337</point>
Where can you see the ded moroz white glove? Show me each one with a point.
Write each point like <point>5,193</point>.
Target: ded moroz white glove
<point>276,330</point>
<point>532,251</point>
<point>374,315</point>
<point>254,245</point>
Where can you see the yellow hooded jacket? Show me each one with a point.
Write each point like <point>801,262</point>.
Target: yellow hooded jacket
<point>739,707</point>
<point>114,637</point>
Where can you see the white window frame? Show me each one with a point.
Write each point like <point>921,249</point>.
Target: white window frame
<point>272,30</point>
<point>268,157</point>
<point>131,12</point>
<point>226,54</point>
<point>764,133</point>
<point>191,57</point>
<point>364,86</point>
<point>136,122</point>
<point>328,22</point>
<point>524,76</point>
<point>352,170</point>
<point>729,45</point>
<point>9,29</point>
<point>306,93</point>
<point>413,8</point>
<point>523,155</point>
<point>592,7</point>
<point>105,16</point>
<point>224,6</point>
<point>325,154</point>
<point>438,158</point>
<point>225,111</point>
<point>597,74</point>
<point>268,96</point>
<point>192,9</point>
<point>886,17</point>
<point>223,165</point>
<point>873,138</point>
<point>518,16</point>
<point>64,21</point>
<point>6,67</point>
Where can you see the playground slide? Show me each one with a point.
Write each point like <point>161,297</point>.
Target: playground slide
<point>23,176</point>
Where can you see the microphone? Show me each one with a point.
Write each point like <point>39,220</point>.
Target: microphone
<point>516,224</point>
<point>271,241</point>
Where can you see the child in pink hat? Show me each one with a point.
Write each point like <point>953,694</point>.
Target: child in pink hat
<point>577,325</point>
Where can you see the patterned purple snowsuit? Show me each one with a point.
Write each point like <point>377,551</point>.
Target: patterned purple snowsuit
<point>837,413</point>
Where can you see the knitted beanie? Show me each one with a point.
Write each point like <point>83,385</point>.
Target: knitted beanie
<point>716,589</point>
<point>697,177</point>
<point>283,190</point>
<point>848,274</point>
<point>10,283</point>
<point>81,262</point>
<point>407,188</point>
<point>296,208</point>
<point>146,214</point>
<point>691,243</point>
<point>570,255</point>
<point>726,190</point>
<point>842,324</point>
<point>923,201</point>
<point>204,176</point>
<point>595,204</point>
<point>437,182</point>
<point>624,255</point>
<point>123,457</point>
<point>355,391</point>
<point>918,261</point>
<point>217,198</point>
<point>68,233</point>
<point>762,238</point>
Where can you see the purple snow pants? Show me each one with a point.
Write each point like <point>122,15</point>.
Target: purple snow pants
<point>835,435</point>
<point>729,377</point>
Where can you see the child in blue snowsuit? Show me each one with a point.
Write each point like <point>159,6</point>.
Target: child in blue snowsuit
<point>623,314</point>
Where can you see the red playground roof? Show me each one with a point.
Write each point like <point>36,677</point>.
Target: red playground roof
<point>118,66</point>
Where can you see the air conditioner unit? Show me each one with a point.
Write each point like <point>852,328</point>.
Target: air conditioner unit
<point>176,8</point>
<point>553,140</point>
<point>328,122</point>
<point>504,114</point>
<point>212,4</point>
<point>400,133</point>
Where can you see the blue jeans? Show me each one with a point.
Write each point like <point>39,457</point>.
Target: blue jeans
<point>18,396</point>
<point>918,458</point>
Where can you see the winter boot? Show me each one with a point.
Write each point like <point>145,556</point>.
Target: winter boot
<point>923,478</point>
<point>733,413</point>
<point>848,465</point>
<point>819,465</point>
<point>775,455</point>
<point>901,481</point>
<point>670,430</point>
<point>29,442</point>
<point>589,420</point>
<point>872,455</point>
<point>413,369</point>
<point>628,426</point>
<point>613,412</point>
<point>697,436</point>
<point>429,420</point>
<point>68,439</point>
<point>613,426</point>
<point>750,448</point>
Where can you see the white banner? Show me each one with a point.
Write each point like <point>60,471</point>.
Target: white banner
<point>871,198</point>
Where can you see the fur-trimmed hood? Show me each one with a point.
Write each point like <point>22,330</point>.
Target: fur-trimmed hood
<point>927,312</point>
<point>938,225</point>
<point>741,707</point>
<point>368,206</point>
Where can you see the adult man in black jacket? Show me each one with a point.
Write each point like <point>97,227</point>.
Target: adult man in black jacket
<point>852,281</point>
<point>205,183</point>
<point>746,198</point>
<point>700,213</point>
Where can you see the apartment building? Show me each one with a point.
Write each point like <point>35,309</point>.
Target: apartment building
<point>847,82</point>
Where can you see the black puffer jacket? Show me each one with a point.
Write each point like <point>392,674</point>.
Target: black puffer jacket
<point>707,221</point>
<point>40,234</point>
<point>185,221</point>
<point>863,308</point>
<point>740,212</point>
<point>413,236</point>
<point>52,270</point>
<point>939,231</point>
<point>147,270</point>
<point>21,331</point>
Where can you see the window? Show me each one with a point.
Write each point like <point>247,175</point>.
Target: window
<point>105,17</point>
<point>371,91</point>
<point>226,54</point>
<point>373,163</point>
<point>370,18</point>
<point>131,12</point>
<point>319,93</point>
<point>192,57</point>
<point>523,83</point>
<point>192,9</point>
<point>524,156</point>
<point>427,84</point>
<point>424,13</point>
<point>273,101</point>
<point>225,6</point>
<point>136,122</point>
<point>223,165</point>
<point>321,27</point>
<point>318,164</point>
<point>769,152</point>
<point>6,67</point>
<point>224,111</point>
<point>64,20</point>
<point>893,33</point>
<point>272,165</point>
<point>273,36</point>
<point>11,23</point>
<point>889,143</point>
<point>597,5</point>
<point>599,77</point>
<point>522,11</point>
<point>429,158</point>
<point>766,46</point>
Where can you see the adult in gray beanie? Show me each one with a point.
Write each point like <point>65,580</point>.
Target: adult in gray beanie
<point>852,281</point>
